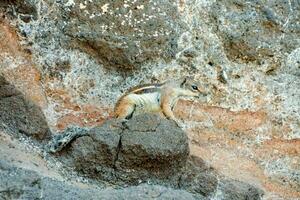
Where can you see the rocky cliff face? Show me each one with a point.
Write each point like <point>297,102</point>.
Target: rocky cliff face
<point>72,59</point>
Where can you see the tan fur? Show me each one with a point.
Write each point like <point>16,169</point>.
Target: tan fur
<point>157,98</point>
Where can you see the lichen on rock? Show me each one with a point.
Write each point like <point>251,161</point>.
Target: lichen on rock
<point>72,60</point>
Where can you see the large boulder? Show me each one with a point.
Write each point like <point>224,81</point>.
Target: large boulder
<point>146,147</point>
<point>123,33</point>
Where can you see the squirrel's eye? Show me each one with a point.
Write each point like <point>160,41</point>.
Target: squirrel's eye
<point>194,87</point>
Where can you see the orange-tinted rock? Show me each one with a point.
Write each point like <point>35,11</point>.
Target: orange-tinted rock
<point>20,70</point>
<point>87,116</point>
<point>243,145</point>
<point>220,117</point>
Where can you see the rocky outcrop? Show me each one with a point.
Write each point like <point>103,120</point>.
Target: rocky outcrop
<point>19,115</point>
<point>73,59</point>
<point>129,153</point>
<point>148,149</point>
<point>117,33</point>
<point>124,34</point>
<point>18,183</point>
<point>251,32</point>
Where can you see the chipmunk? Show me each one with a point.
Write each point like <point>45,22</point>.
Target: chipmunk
<point>156,98</point>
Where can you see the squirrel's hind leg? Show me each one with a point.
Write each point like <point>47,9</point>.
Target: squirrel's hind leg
<point>124,110</point>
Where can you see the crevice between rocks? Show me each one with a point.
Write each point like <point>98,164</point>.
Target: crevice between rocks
<point>119,147</point>
<point>129,151</point>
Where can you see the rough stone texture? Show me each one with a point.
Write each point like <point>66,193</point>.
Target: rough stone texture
<point>16,66</point>
<point>124,34</point>
<point>199,178</point>
<point>235,190</point>
<point>20,115</point>
<point>257,31</point>
<point>18,183</point>
<point>156,152</point>
<point>26,10</point>
<point>129,153</point>
<point>246,52</point>
<point>145,191</point>
<point>95,155</point>
<point>152,143</point>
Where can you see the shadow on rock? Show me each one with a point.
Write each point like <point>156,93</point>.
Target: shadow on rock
<point>148,148</point>
<point>145,148</point>
<point>18,183</point>
<point>19,115</point>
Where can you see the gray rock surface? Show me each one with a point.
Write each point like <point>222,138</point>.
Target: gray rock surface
<point>236,190</point>
<point>199,178</point>
<point>18,183</point>
<point>129,152</point>
<point>94,155</point>
<point>252,31</point>
<point>20,115</point>
<point>152,143</point>
<point>147,149</point>
<point>124,33</point>
<point>116,33</point>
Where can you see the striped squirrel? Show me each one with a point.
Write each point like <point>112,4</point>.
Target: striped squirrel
<point>154,98</point>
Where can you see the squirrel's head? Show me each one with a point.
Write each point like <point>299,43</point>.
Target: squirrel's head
<point>192,87</point>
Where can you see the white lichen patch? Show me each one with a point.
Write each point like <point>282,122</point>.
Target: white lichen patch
<point>70,3</point>
<point>140,7</point>
<point>82,6</point>
<point>104,8</point>
<point>92,16</point>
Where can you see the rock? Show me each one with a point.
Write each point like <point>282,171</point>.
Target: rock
<point>247,128</point>
<point>152,143</point>
<point>26,10</point>
<point>95,154</point>
<point>145,191</point>
<point>19,114</point>
<point>148,147</point>
<point>61,140</point>
<point>236,190</point>
<point>6,89</point>
<point>293,63</point>
<point>124,34</point>
<point>18,183</point>
<point>145,148</point>
<point>251,30</point>
<point>198,178</point>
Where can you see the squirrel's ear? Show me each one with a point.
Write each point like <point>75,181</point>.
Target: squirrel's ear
<point>183,81</point>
